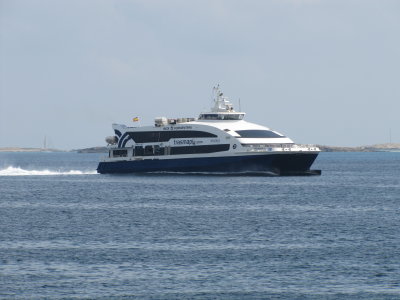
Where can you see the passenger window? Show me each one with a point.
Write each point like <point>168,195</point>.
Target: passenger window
<point>148,150</point>
<point>139,151</point>
<point>120,153</point>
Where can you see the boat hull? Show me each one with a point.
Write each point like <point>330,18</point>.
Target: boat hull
<point>267,164</point>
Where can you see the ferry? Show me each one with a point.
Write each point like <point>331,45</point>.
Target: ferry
<point>219,141</point>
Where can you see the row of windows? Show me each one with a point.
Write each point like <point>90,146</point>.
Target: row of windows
<point>150,150</point>
<point>221,117</point>
<point>165,136</point>
<point>157,150</point>
<point>120,153</point>
<point>200,149</point>
<point>258,134</point>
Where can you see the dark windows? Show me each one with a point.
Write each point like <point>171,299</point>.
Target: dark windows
<point>258,134</point>
<point>148,151</point>
<point>139,151</point>
<point>165,136</point>
<point>120,153</point>
<point>158,150</point>
<point>234,116</point>
<point>208,117</point>
<point>199,149</point>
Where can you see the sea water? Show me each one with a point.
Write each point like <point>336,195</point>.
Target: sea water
<point>67,232</point>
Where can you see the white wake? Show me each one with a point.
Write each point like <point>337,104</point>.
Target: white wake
<point>12,171</point>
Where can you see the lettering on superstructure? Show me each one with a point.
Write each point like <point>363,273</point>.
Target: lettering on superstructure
<point>185,127</point>
<point>184,142</point>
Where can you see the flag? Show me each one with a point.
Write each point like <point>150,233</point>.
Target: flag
<point>135,119</point>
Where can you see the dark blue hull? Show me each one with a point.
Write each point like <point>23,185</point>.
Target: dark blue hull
<point>270,164</point>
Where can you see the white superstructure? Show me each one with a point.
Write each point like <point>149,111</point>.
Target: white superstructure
<point>221,132</point>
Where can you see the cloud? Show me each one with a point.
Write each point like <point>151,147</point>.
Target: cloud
<point>78,58</point>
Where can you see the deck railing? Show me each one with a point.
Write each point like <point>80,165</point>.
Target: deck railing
<point>283,147</point>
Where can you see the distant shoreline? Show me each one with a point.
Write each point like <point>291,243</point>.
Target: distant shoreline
<point>370,148</point>
<point>18,149</point>
<point>324,148</point>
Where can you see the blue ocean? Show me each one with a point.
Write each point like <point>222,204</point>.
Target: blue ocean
<point>67,232</point>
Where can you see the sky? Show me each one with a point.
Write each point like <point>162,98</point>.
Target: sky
<point>320,72</point>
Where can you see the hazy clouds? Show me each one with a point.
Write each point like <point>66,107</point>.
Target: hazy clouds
<point>319,71</point>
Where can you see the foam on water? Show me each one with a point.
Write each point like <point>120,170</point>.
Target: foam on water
<point>16,171</point>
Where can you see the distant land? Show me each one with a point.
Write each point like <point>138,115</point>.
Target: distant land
<point>371,148</point>
<point>18,149</point>
<point>99,149</point>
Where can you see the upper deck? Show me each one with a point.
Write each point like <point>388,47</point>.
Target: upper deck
<point>222,109</point>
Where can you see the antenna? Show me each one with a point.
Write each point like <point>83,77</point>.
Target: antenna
<point>214,92</point>
<point>240,107</point>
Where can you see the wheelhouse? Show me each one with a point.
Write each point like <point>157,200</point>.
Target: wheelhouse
<point>221,116</point>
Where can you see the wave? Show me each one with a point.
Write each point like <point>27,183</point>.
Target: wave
<point>13,171</point>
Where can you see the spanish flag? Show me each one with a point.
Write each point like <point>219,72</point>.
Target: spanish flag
<point>135,119</point>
